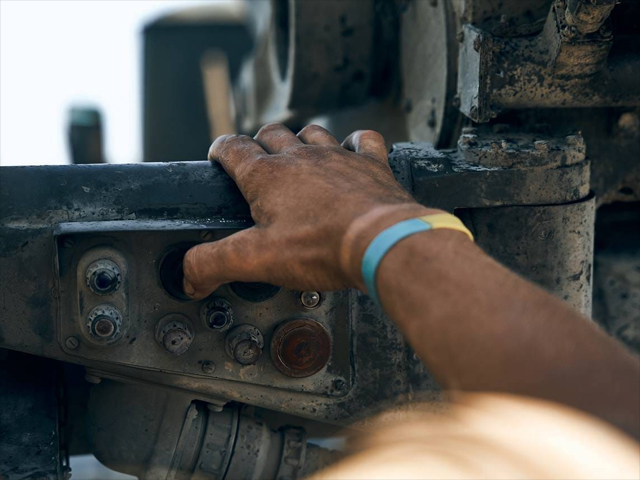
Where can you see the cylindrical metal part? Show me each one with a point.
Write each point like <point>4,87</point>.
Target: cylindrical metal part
<point>300,348</point>
<point>551,245</point>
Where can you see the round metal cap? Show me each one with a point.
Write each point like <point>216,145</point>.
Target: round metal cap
<point>300,348</point>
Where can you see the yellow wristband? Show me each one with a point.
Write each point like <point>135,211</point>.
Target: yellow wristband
<point>446,220</point>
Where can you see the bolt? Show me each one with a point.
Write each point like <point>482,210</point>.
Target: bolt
<point>310,299</point>
<point>176,340</point>
<point>72,343</point>
<point>570,31</point>
<point>339,383</point>
<point>456,101</point>
<point>208,367</point>
<point>206,235</point>
<point>103,277</point>
<point>244,344</point>
<point>218,319</point>
<point>247,352</point>
<point>217,314</point>
<point>541,145</point>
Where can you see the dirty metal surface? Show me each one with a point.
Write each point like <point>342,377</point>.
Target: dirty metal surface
<point>429,52</point>
<point>616,288</point>
<point>445,179</point>
<point>558,68</point>
<point>313,57</point>
<point>551,245</point>
<point>144,304</point>
<point>156,433</point>
<point>30,418</point>
<point>44,209</point>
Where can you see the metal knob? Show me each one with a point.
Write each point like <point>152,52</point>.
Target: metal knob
<point>217,314</point>
<point>175,334</point>
<point>103,277</point>
<point>104,324</point>
<point>244,344</point>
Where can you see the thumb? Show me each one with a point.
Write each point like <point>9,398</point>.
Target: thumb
<point>238,257</point>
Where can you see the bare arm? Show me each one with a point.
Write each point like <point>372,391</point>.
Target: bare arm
<point>478,327</point>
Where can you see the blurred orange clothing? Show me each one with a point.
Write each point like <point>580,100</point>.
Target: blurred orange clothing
<point>490,436</point>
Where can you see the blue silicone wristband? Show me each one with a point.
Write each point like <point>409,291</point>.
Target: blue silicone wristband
<point>380,245</point>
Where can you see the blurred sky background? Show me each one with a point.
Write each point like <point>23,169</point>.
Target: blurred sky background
<point>54,54</point>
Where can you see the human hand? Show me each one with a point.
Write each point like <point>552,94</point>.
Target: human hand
<point>316,206</point>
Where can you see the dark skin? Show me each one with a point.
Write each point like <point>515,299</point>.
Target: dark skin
<point>317,205</point>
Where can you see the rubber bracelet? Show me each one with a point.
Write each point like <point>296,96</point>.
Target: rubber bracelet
<point>386,239</point>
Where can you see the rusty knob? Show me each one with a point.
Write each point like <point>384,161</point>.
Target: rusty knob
<point>300,348</point>
<point>174,333</point>
<point>244,344</point>
<point>176,341</point>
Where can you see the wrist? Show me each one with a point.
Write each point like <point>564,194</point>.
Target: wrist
<point>365,228</point>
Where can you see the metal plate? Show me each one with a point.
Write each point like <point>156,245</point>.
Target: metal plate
<point>143,302</point>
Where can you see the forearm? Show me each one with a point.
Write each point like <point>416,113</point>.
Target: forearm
<point>478,326</point>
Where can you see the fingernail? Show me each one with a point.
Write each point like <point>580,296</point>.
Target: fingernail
<point>187,287</point>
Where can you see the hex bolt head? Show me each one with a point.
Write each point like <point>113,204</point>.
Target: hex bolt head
<point>72,343</point>
<point>310,299</point>
<point>218,319</point>
<point>103,277</point>
<point>217,314</point>
<point>176,340</point>
<point>208,367</point>
<point>339,384</point>
<point>104,324</point>
<point>247,352</point>
<point>174,333</point>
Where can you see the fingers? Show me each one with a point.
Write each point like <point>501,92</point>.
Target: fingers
<point>316,135</point>
<point>367,142</point>
<point>275,138</point>
<point>235,153</point>
<point>238,257</point>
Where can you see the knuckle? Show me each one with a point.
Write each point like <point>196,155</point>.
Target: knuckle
<point>370,135</point>
<point>270,128</point>
<point>226,142</point>
<point>312,129</point>
<point>190,265</point>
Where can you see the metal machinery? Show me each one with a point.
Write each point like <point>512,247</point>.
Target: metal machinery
<point>520,117</point>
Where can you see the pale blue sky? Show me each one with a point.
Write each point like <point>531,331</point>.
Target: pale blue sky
<point>55,53</point>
